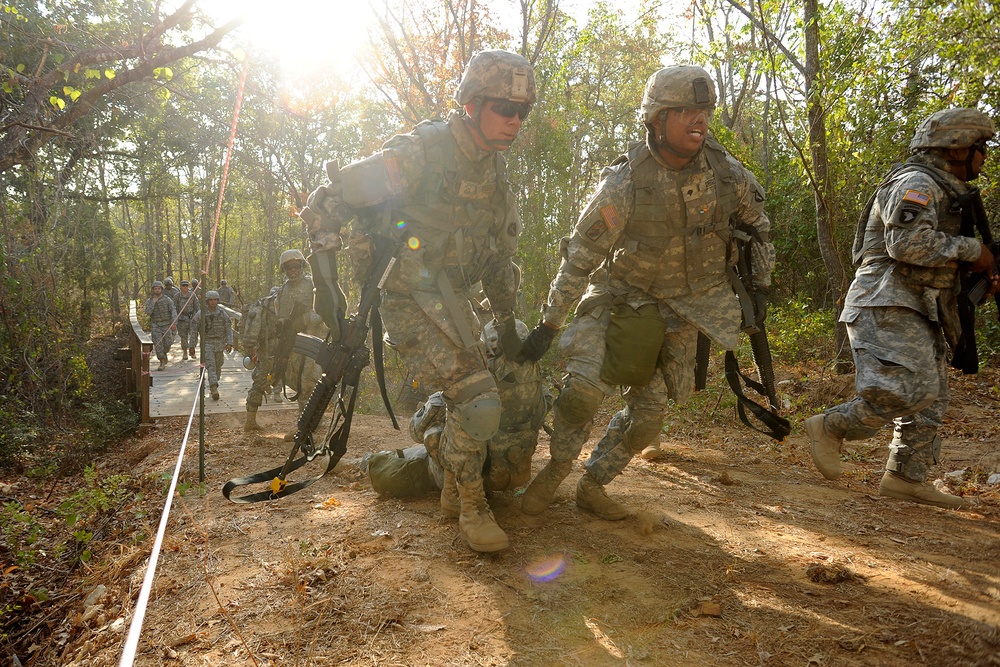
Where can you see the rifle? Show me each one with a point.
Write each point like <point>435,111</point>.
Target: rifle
<point>753,301</point>
<point>285,345</point>
<point>342,360</point>
<point>975,286</point>
<point>979,283</point>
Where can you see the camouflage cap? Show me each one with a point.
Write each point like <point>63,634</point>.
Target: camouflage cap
<point>291,255</point>
<point>675,87</point>
<point>952,128</point>
<point>500,75</point>
<point>211,294</point>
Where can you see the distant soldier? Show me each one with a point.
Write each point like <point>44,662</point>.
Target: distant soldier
<point>162,313</point>
<point>187,305</point>
<point>169,289</point>
<point>218,338</point>
<point>902,310</point>
<point>226,294</point>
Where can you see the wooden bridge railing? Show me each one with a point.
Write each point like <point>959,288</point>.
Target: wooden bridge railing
<point>137,378</point>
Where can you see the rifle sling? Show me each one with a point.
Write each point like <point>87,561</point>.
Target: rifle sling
<point>379,360</point>
<point>777,427</point>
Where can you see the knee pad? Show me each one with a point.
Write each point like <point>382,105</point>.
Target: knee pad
<point>430,414</point>
<point>480,415</point>
<point>643,429</point>
<point>578,402</point>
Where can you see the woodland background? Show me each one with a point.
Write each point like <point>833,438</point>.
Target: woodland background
<point>115,115</point>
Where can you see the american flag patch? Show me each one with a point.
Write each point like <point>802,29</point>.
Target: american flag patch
<point>610,215</point>
<point>917,197</point>
<point>392,172</point>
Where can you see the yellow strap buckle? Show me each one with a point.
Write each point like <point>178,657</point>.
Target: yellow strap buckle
<point>278,485</point>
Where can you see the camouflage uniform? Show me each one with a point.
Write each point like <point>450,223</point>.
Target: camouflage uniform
<point>901,312</point>
<point>218,336</point>
<point>226,294</point>
<point>186,308</point>
<point>651,234</point>
<point>162,313</point>
<point>441,193</point>
<point>170,290</point>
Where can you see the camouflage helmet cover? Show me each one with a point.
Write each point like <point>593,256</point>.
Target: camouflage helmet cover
<point>157,283</point>
<point>952,128</point>
<point>169,282</point>
<point>291,255</point>
<point>184,283</point>
<point>674,87</point>
<point>500,75</point>
<point>491,336</point>
<point>211,294</point>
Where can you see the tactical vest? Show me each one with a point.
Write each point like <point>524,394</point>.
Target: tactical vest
<point>869,241</point>
<point>677,242</point>
<point>258,323</point>
<point>451,225</point>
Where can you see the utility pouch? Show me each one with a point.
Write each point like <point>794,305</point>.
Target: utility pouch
<point>632,344</point>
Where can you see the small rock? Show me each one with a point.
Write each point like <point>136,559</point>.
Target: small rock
<point>95,595</point>
<point>994,478</point>
<point>955,475</point>
<point>117,625</point>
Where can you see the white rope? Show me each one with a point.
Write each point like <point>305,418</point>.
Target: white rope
<point>139,614</point>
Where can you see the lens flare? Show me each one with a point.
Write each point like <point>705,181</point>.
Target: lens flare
<point>413,242</point>
<point>547,568</point>
<point>401,224</point>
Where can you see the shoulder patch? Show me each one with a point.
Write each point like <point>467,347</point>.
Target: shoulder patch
<point>917,197</point>
<point>909,213</point>
<point>610,215</point>
<point>596,230</point>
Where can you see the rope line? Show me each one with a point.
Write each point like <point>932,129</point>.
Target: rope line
<point>139,613</point>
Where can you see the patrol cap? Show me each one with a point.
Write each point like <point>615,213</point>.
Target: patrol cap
<point>952,128</point>
<point>687,86</point>
<point>211,294</point>
<point>499,75</point>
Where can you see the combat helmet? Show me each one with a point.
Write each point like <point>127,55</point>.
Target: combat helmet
<point>952,128</point>
<point>185,283</point>
<point>169,282</point>
<point>158,283</point>
<point>291,255</point>
<point>491,336</point>
<point>212,294</point>
<point>674,87</point>
<point>499,75</point>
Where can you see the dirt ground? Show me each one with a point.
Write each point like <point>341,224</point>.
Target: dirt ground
<point>737,553</point>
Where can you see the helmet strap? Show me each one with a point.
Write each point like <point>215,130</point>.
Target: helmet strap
<point>472,120</point>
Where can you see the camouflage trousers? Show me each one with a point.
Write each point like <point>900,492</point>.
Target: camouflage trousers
<point>901,378</point>
<point>163,338</point>
<point>184,333</point>
<point>301,376</point>
<point>639,424</point>
<point>429,349</point>
<point>215,357</point>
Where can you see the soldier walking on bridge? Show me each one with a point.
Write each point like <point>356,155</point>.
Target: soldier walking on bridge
<point>218,338</point>
<point>187,305</point>
<point>162,313</point>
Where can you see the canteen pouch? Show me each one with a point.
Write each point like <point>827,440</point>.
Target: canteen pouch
<point>632,344</point>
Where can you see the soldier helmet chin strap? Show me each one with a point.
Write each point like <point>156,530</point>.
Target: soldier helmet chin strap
<point>473,122</point>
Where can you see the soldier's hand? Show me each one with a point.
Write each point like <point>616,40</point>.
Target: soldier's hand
<point>537,343</point>
<point>985,261</point>
<point>510,342</point>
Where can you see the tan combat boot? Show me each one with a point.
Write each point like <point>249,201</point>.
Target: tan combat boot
<point>215,392</point>
<point>185,354</point>
<point>542,489</point>
<point>825,447</point>
<point>591,496</point>
<point>896,486</point>
<point>653,453</point>
<point>475,520</point>
<point>251,423</point>
<point>451,505</point>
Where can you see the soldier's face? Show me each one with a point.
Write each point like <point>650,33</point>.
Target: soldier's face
<point>212,304</point>
<point>498,128</point>
<point>684,130</point>
<point>292,270</point>
<point>157,291</point>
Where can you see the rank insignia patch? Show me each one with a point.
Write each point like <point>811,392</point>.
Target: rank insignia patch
<point>917,197</point>
<point>610,215</point>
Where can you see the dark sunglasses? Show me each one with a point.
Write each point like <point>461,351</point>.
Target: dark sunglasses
<point>980,146</point>
<point>509,109</point>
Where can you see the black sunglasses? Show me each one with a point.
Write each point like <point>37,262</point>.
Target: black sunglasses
<point>980,146</point>
<point>509,109</point>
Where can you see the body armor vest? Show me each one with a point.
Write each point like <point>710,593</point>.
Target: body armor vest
<point>869,246</point>
<point>456,222</point>
<point>678,239</point>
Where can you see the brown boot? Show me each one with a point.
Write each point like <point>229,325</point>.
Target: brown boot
<point>215,392</point>
<point>191,352</point>
<point>451,505</point>
<point>251,423</point>
<point>476,522</point>
<point>901,488</point>
<point>185,354</point>
<point>591,496</point>
<point>542,489</point>
<point>653,453</point>
<point>824,447</point>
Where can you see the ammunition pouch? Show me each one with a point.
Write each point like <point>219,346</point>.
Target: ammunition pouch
<point>632,344</point>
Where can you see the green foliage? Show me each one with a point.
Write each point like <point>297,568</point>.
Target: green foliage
<point>20,531</point>
<point>799,333</point>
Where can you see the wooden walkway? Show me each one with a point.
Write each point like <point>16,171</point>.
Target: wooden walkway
<point>172,390</point>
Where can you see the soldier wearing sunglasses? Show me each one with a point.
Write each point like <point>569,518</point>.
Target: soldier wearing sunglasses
<point>441,195</point>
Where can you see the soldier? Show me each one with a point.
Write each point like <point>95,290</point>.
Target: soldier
<point>162,313</point>
<point>187,306</point>
<point>218,338</point>
<point>441,195</point>
<point>901,308</point>
<point>508,461</point>
<point>659,229</point>
<point>293,313</point>
<point>169,289</point>
<point>226,294</point>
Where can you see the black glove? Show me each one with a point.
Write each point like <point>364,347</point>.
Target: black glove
<point>537,343</point>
